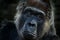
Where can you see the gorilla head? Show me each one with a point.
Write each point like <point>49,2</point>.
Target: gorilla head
<point>32,19</point>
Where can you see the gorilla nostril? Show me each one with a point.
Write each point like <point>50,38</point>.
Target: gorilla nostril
<point>30,24</point>
<point>33,24</point>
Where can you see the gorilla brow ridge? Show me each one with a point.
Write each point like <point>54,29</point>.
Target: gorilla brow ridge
<point>35,9</point>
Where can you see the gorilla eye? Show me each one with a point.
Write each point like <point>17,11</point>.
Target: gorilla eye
<point>40,16</point>
<point>26,13</point>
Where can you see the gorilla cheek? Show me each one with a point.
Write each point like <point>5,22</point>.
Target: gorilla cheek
<point>40,27</point>
<point>45,28</point>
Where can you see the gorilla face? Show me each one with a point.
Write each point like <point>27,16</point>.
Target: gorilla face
<point>34,20</point>
<point>31,23</point>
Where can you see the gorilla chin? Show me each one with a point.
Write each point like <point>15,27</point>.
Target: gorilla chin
<point>29,36</point>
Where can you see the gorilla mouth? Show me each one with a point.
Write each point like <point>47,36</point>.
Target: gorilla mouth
<point>28,36</point>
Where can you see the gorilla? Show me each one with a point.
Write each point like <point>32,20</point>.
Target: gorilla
<point>34,20</point>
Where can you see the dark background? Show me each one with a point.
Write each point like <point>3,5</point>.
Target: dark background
<point>8,10</point>
<point>57,15</point>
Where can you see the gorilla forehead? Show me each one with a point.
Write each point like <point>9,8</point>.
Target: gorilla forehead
<point>35,3</point>
<point>38,3</point>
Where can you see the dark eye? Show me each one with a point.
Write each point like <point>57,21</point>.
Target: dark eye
<point>37,14</point>
<point>40,16</point>
<point>26,14</point>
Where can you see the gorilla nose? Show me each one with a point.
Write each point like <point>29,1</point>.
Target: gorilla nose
<point>30,24</point>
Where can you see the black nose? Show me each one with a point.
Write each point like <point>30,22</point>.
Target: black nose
<point>30,24</point>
